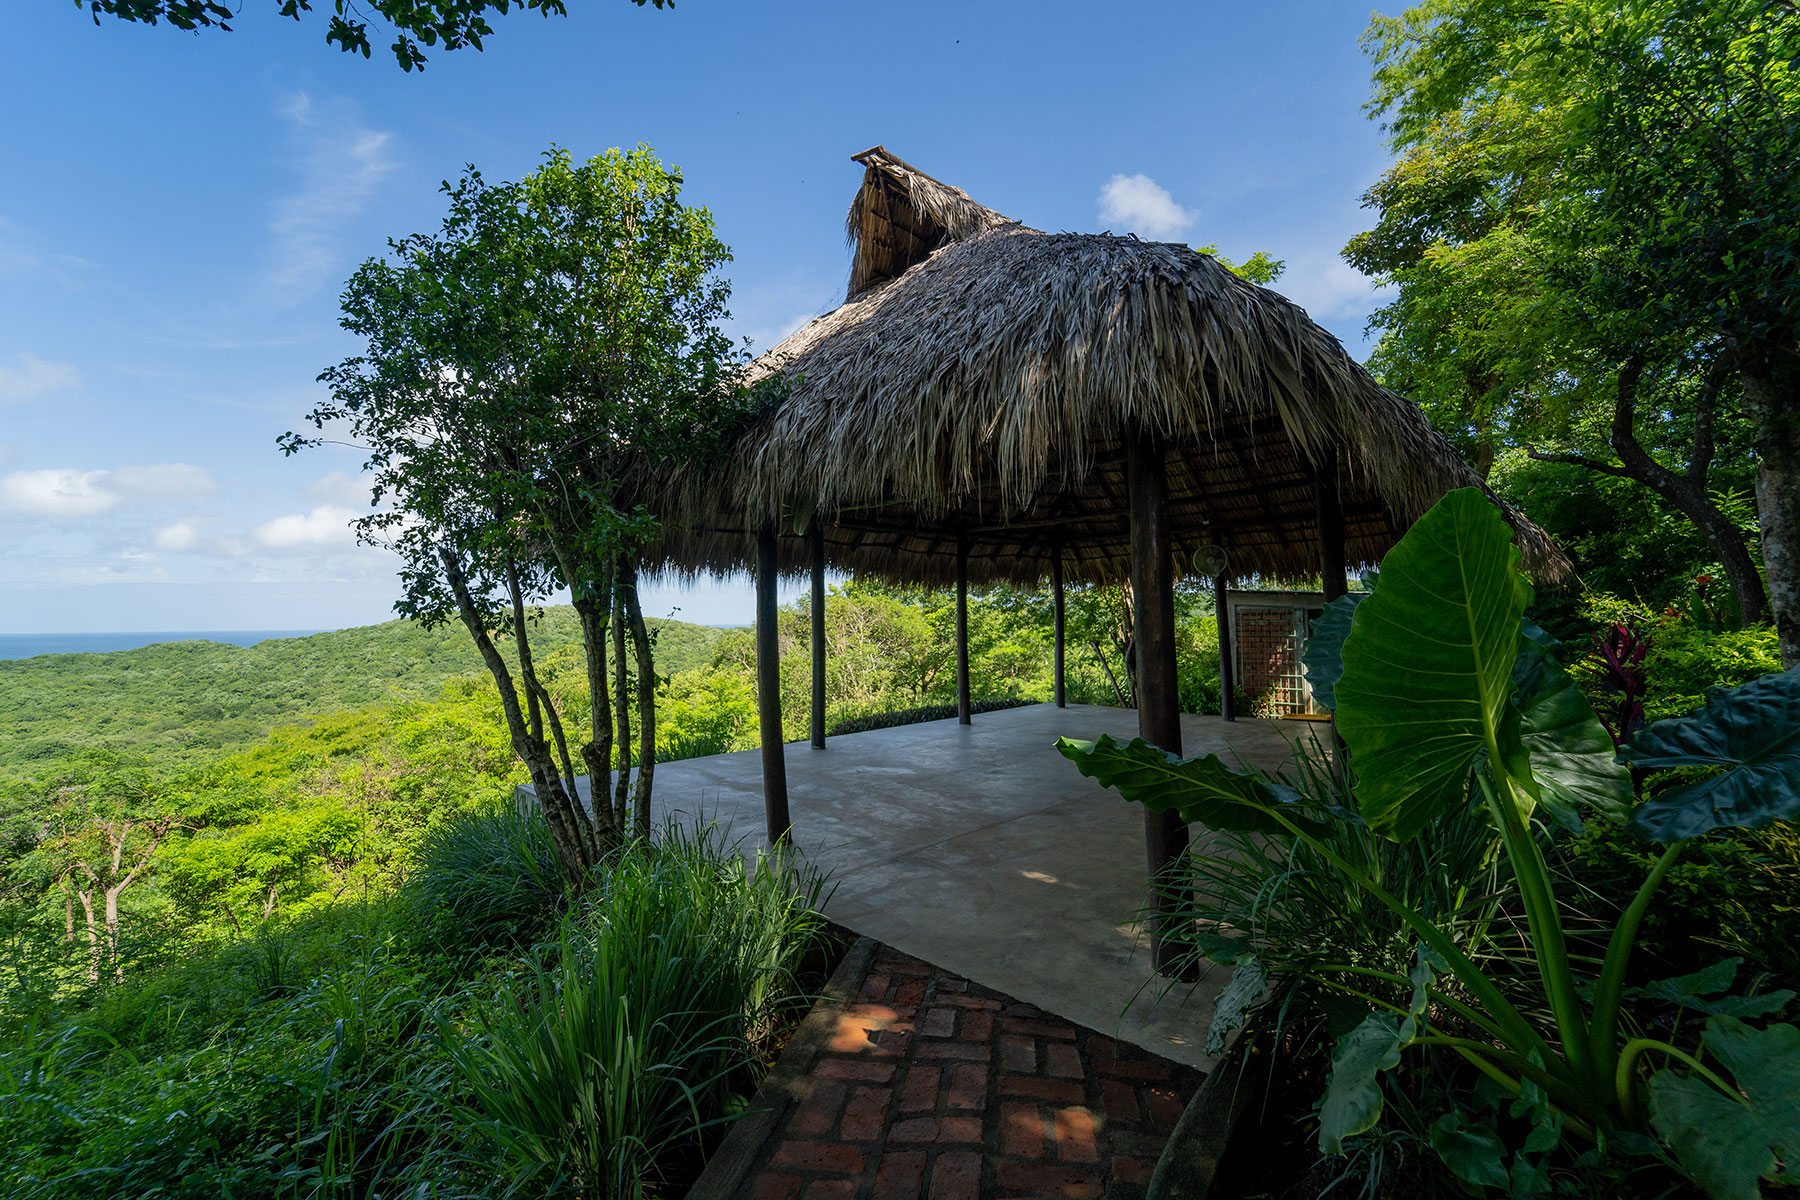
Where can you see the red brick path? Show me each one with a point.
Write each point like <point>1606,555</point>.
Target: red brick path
<point>935,1087</point>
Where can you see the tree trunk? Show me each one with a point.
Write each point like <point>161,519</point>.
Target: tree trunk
<point>540,705</point>
<point>93,932</point>
<point>621,704</point>
<point>597,751</point>
<point>111,896</point>
<point>561,811</point>
<point>646,698</point>
<point>522,639</point>
<point>1771,378</point>
<point>1687,490</point>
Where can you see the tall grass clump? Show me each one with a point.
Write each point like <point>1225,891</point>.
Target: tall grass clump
<point>603,1060</point>
<point>487,880</point>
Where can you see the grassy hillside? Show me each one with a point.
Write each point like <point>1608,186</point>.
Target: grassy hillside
<point>181,701</point>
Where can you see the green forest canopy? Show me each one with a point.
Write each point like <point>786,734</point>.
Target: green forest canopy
<point>185,701</point>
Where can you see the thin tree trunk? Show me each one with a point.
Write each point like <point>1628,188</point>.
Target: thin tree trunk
<point>93,932</point>
<point>646,697</point>
<point>536,694</point>
<point>111,896</point>
<point>597,751</point>
<point>1771,378</point>
<point>560,811</point>
<point>535,719</point>
<point>562,743</point>
<point>621,704</point>
<point>1113,679</point>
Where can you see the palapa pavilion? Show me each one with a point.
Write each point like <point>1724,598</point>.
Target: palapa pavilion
<point>994,402</point>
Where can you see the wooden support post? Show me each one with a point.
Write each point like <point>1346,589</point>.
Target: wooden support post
<point>1328,507</point>
<point>962,631</point>
<point>768,690</point>
<point>1158,700</point>
<point>818,636</point>
<point>1056,619</point>
<point>1227,666</point>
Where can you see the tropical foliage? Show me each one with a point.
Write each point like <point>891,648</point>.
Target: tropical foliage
<point>1450,704</point>
<point>355,1051</point>
<point>452,24</point>
<point>1589,231</point>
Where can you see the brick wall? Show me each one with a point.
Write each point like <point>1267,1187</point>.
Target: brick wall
<point>1268,654</point>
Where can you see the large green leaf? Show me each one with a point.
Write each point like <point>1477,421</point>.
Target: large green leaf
<point>1202,790</point>
<point>1323,657</point>
<point>1244,991</point>
<point>1474,1153</point>
<point>1352,1101</point>
<point>1572,756</point>
<point>1727,1143</point>
<point>1700,992</point>
<point>1753,732</point>
<point>1428,664</point>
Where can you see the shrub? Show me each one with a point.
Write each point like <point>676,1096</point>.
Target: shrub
<point>335,1089</point>
<point>489,879</point>
<point>1687,659</point>
<point>1735,893</point>
<point>604,1058</point>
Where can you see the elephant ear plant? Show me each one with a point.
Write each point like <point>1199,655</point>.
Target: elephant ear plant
<point>1446,697</point>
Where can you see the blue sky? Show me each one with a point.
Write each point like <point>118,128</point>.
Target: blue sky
<point>178,213</point>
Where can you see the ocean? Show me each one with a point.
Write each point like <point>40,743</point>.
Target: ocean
<point>29,645</point>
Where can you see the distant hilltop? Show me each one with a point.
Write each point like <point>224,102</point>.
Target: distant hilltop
<point>190,695</point>
<point>31,645</point>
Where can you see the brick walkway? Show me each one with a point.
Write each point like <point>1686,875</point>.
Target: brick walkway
<point>932,1086</point>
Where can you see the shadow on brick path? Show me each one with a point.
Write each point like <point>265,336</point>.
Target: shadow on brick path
<point>932,1086</point>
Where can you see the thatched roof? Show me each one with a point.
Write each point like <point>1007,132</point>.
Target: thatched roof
<point>983,379</point>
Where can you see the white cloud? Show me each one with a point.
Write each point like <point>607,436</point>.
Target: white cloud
<point>1139,204</point>
<point>177,537</point>
<point>56,492</point>
<point>33,376</point>
<point>71,493</point>
<point>326,525</point>
<point>342,163</point>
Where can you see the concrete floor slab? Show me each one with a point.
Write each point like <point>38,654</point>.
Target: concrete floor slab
<point>982,850</point>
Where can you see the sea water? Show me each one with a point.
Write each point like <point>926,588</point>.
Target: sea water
<point>28,645</point>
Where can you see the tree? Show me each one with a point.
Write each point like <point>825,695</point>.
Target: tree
<point>1646,161</point>
<point>452,23</point>
<point>556,337</point>
<point>99,825</point>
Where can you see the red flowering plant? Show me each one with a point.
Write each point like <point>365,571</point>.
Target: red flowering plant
<point>1615,668</point>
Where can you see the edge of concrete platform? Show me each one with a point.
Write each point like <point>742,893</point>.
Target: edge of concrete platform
<point>787,1083</point>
